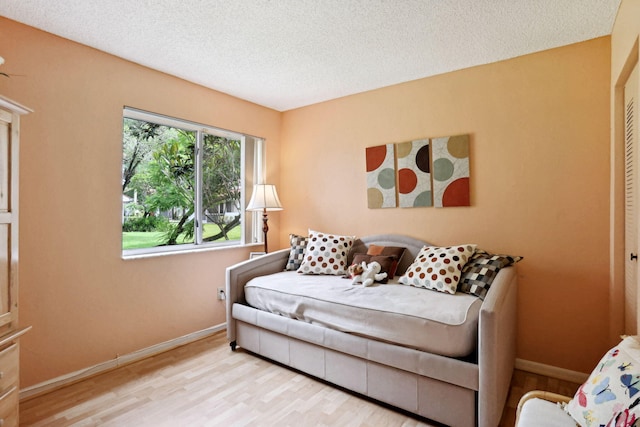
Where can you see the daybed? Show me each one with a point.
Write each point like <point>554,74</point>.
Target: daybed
<point>437,382</point>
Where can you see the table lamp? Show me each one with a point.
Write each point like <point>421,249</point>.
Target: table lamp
<point>264,198</point>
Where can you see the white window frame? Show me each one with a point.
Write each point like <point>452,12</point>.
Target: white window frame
<point>252,164</point>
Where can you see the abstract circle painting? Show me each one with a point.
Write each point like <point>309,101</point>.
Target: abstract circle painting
<point>414,173</point>
<point>381,177</point>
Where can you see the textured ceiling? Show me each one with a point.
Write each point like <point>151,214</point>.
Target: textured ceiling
<point>285,54</point>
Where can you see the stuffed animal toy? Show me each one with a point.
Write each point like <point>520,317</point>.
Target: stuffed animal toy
<point>370,274</point>
<point>353,271</point>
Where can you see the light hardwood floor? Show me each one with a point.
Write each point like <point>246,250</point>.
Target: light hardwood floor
<point>205,384</point>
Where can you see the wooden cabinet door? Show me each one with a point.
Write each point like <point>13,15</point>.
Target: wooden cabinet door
<point>7,296</point>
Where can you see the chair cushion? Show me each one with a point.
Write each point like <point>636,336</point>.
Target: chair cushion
<point>538,412</point>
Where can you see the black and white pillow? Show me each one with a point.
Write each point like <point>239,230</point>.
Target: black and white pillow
<point>479,272</point>
<point>298,248</point>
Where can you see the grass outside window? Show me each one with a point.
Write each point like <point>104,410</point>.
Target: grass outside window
<point>140,239</point>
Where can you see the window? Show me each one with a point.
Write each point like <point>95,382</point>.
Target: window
<point>183,184</point>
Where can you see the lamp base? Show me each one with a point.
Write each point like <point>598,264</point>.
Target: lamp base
<point>265,230</point>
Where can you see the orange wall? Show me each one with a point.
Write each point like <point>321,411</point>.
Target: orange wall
<point>539,127</point>
<point>85,303</point>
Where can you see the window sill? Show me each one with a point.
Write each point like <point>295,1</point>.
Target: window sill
<point>184,250</point>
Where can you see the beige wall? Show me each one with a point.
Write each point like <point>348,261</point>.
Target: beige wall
<point>539,127</point>
<point>624,56</point>
<point>86,304</point>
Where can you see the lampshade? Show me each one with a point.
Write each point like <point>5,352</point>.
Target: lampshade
<point>264,197</point>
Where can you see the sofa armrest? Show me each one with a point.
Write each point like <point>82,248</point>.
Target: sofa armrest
<point>239,274</point>
<point>497,346</point>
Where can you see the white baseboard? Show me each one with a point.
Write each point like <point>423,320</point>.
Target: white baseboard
<point>551,371</point>
<point>64,380</point>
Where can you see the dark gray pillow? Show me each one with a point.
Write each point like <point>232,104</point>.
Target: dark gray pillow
<point>479,272</point>
<point>298,248</point>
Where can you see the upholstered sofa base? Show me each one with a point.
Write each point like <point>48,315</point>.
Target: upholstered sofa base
<point>435,387</point>
<point>447,390</point>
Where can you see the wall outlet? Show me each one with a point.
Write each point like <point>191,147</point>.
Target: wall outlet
<point>221,295</point>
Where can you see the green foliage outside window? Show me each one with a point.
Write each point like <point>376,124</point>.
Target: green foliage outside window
<point>159,185</point>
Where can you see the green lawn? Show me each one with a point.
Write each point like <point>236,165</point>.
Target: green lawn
<point>139,239</point>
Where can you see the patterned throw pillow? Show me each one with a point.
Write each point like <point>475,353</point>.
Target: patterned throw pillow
<point>395,251</point>
<point>480,271</point>
<point>298,247</point>
<point>438,268</point>
<point>326,254</point>
<point>612,390</point>
<point>387,263</point>
<point>627,417</point>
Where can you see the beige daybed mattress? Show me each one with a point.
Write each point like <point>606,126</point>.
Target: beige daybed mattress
<point>418,318</point>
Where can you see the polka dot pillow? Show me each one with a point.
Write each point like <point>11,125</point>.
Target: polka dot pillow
<point>438,268</point>
<point>326,254</point>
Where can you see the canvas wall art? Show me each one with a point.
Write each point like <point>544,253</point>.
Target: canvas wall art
<point>381,177</point>
<point>420,173</point>
<point>414,173</point>
<point>451,171</point>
